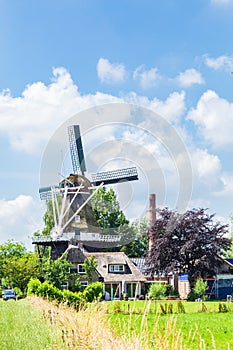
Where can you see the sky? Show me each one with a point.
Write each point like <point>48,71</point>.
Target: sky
<point>171,58</point>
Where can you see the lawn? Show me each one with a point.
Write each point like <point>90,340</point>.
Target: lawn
<point>23,327</point>
<point>36,324</point>
<point>199,329</point>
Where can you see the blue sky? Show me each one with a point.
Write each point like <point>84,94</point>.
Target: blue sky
<point>58,58</point>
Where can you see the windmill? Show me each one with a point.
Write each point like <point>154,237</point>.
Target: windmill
<point>73,217</point>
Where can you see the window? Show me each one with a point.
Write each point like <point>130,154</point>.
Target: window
<point>81,269</point>
<point>116,268</point>
<point>73,270</point>
<point>84,283</point>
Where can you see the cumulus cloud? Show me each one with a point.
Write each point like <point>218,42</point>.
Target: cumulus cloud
<point>111,73</point>
<point>213,116</point>
<point>19,219</point>
<point>29,120</point>
<point>146,78</point>
<point>220,63</point>
<point>207,166</point>
<point>171,109</point>
<point>190,77</point>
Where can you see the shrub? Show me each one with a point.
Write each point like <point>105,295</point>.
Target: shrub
<point>93,291</point>
<point>171,291</point>
<point>200,287</point>
<point>33,286</point>
<point>157,291</point>
<point>46,290</point>
<point>18,292</point>
<point>192,296</point>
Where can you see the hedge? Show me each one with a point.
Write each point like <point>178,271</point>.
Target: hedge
<point>76,299</point>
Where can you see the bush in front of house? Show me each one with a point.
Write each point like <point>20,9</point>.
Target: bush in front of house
<point>93,291</point>
<point>47,291</point>
<point>157,291</point>
<point>200,287</point>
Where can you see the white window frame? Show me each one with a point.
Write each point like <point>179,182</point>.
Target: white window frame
<point>84,283</point>
<point>81,270</point>
<point>116,268</point>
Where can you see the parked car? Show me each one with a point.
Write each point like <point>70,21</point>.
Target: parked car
<point>8,294</point>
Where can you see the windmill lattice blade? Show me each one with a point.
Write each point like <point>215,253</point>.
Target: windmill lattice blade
<point>45,193</point>
<point>115,176</point>
<point>76,149</point>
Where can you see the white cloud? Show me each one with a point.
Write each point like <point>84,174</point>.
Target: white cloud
<point>227,191</point>
<point>19,218</point>
<point>171,109</point>
<point>30,120</point>
<point>110,72</point>
<point>190,77</point>
<point>207,166</point>
<point>147,78</point>
<point>220,63</point>
<point>213,116</point>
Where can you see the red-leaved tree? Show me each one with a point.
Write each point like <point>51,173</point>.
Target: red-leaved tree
<point>191,242</point>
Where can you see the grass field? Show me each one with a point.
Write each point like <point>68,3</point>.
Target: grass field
<point>208,329</point>
<point>39,325</point>
<point>24,328</point>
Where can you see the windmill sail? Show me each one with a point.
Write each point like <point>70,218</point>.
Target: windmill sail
<point>115,176</point>
<point>76,149</point>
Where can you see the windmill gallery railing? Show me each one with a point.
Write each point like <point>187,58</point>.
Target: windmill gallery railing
<point>82,237</point>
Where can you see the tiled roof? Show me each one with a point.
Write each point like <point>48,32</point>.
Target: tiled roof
<point>133,274</point>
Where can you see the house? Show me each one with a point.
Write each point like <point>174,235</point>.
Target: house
<point>221,285</point>
<point>117,272</point>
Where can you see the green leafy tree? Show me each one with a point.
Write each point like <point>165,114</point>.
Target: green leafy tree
<point>106,209</point>
<point>90,266</point>
<point>157,291</point>
<point>56,272</point>
<point>11,249</point>
<point>17,271</point>
<point>137,234</point>
<point>200,287</point>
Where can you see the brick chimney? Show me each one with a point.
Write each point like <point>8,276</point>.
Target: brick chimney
<point>152,218</point>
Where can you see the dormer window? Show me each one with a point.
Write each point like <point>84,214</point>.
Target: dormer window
<point>117,268</point>
<point>81,269</point>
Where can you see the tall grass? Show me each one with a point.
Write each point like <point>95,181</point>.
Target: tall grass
<point>90,329</point>
<point>38,324</point>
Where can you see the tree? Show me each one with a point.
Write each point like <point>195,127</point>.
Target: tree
<point>137,234</point>
<point>106,209</point>
<point>56,272</point>
<point>18,270</point>
<point>200,287</point>
<point>108,215</point>
<point>90,266</point>
<point>191,242</point>
<point>157,291</point>
<point>17,265</point>
<point>11,249</point>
